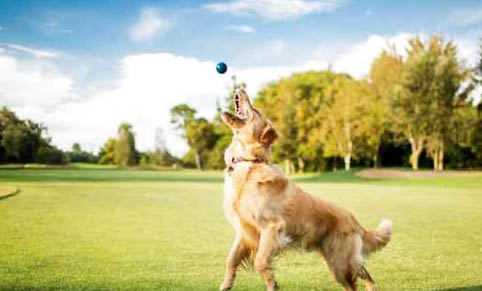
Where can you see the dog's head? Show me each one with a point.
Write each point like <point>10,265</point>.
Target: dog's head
<point>252,133</point>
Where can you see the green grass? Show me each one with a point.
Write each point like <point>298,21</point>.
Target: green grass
<point>107,229</point>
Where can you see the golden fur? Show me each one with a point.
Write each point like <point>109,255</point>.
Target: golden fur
<point>269,213</point>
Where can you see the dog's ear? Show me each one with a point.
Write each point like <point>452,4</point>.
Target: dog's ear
<point>268,136</point>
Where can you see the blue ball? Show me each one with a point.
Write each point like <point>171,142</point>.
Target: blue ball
<point>221,68</point>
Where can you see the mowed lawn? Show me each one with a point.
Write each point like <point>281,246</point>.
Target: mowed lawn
<point>107,229</point>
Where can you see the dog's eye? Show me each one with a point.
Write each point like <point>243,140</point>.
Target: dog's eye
<point>233,159</point>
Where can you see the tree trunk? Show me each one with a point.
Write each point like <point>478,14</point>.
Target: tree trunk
<point>435,159</point>
<point>441,158</point>
<point>417,147</point>
<point>414,159</point>
<point>292,167</point>
<point>375,160</point>
<point>301,165</point>
<point>287,167</point>
<point>197,159</point>
<point>438,156</point>
<point>347,159</point>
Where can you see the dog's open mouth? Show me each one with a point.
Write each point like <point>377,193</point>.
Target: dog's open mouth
<point>240,105</point>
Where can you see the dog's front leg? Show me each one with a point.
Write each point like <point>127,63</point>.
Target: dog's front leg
<point>268,244</point>
<point>236,255</point>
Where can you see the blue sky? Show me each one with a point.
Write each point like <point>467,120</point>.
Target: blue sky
<point>115,61</point>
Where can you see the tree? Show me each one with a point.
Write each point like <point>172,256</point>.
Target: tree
<point>20,139</point>
<point>125,148</point>
<point>77,155</point>
<point>107,152</point>
<point>161,155</point>
<point>432,79</point>
<point>50,155</point>
<point>198,132</point>
<point>277,103</point>
<point>385,84</point>
<point>411,105</point>
<point>465,138</point>
<point>343,111</point>
<point>76,148</point>
<point>181,115</point>
<point>294,106</point>
<point>201,138</point>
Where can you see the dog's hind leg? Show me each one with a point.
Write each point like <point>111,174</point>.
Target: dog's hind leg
<point>343,254</point>
<point>347,278</point>
<point>237,254</point>
<point>268,244</point>
<point>369,283</point>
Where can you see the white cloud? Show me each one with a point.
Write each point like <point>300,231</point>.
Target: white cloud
<point>1,27</point>
<point>151,23</point>
<point>41,54</point>
<point>275,9</point>
<point>240,28</point>
<point>34,88</point>
<point>357,59</point>
<point>467,17</point>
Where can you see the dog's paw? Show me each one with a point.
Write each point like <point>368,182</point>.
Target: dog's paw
<point>272,287</point>
<point>225,287</point>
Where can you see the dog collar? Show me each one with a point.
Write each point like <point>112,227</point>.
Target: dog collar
<point>237,160</point>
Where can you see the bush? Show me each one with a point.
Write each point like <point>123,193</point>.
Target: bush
<point>51,156</point>
<point>82,157</point>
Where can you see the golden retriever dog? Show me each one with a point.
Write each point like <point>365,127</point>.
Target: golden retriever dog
<point>269,213</point>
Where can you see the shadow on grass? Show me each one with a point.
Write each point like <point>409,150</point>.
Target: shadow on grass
<point>467,288</point>
<point>15,192</point>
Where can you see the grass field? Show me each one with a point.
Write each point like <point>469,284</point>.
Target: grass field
<point>108,229</point>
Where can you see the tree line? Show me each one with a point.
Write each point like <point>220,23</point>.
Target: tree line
<point>408,111</point>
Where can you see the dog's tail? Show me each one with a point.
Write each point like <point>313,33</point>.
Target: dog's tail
<point>375,240</point>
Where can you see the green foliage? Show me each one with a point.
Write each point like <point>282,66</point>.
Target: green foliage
<point>20,139</point>
<point>215,158</point>
<point>50,155</point>
<point>77,155</point>
<point>294,106</point>
<point>181,115</point>
<point>161,158</point>
<point>431,81</point>
<point>76,148</point>
<point>107,153</point>
<point>143,161</point>
<point>343,113</point>
<point>125,146</point>
<point>199,133</point>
